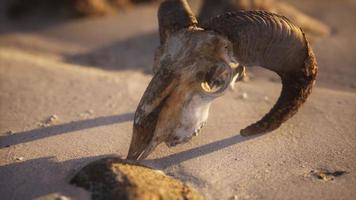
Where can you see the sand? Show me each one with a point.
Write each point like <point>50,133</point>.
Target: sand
<point>91,73</point>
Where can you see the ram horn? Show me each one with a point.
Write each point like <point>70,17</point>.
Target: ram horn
<point>174,15</point>
<point>271,41</point>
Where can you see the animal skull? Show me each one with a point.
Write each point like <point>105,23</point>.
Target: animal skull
<point>193,66</point>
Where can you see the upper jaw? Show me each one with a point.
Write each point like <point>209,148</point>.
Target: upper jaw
<point>179,137</point>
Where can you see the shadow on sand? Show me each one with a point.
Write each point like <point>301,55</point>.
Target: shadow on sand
<point>40,133</point>
<point>40,177</point>
<point>134,53</point>
<point>46,175</point>
<point>43,176</point>
<point>174,159</point>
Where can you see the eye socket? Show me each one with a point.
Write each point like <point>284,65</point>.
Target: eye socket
<point>217,79</point>
<point>228,48</point>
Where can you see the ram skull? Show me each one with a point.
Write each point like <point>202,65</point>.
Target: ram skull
<point>196,64</point>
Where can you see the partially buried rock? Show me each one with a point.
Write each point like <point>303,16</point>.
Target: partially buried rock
<point>53,119</point>
<point>114,178</point>
<point>327,175</point>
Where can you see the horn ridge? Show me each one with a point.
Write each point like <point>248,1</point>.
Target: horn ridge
<point>271,41</point>
<point>295,90</point>
<point>174,15</point>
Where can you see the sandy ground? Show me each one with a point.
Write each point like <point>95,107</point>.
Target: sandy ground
<point>91,74</point>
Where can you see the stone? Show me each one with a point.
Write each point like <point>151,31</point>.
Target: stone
<point>115,178</point>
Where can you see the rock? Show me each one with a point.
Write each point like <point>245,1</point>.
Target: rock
<point>235,197</point>
<point>53,119</point>
<point>10,132</point>
<point>87,113</point>
<point>114,178</point>
<point>326,175</point>
<point>266,98</point>
<point>244,95</point>
<point>19,158</point>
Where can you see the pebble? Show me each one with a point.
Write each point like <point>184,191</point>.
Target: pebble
<point>19,158</point>
<point>87,113</point>
<point>244,95</point>
<point>49,121</point>
<point>266,98</point>
<point>235,197</point>
<point>10,132</point>
<point>53,118</point>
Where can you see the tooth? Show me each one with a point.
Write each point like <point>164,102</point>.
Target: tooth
<point>206,86</point>
<point>196,133</point>
<point>202,125</point>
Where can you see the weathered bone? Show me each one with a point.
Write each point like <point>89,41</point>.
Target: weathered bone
<point>176,102</point>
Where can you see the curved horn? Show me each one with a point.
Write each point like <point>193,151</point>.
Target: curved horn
<point>174,15</point>
<point>264,39</point>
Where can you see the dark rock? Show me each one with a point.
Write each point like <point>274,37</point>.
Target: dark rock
<point>114,178</point>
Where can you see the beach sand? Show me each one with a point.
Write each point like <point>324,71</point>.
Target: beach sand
<point>69,90</point>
